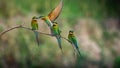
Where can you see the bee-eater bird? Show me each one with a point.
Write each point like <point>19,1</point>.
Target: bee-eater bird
<point>56,32</point>
<point>34,25</point>
<point>73,41</point>
<point>53,15</point>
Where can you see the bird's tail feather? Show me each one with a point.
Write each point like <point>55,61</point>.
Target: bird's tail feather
<point>77,48</point>
<point>37,39</point>
<point>73,49</point>
<point>59,43</point>
<point>79,52</point>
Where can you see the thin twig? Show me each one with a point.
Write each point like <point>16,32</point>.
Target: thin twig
<point>20,26</point>
<point>2,33</point>
<point>35,30</point>
<point>66,39</point>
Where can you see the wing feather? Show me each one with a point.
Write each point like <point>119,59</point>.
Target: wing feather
<point>55,12</point>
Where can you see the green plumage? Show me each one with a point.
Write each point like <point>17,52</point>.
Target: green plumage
<point>56,32</point>
<point>73,41</point>
<point>34,25</point>
<point>47,20</point>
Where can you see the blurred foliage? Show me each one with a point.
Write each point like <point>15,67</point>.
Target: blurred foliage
<point>19,49</point>
<point>117,62</point>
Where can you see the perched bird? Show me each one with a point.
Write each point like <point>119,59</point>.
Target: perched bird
<point>56,32</point>
<point>73,40</point>
<point>34,25</point>
<point>52,16</point>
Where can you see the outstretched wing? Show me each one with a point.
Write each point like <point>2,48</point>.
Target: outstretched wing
<point>55,12</point>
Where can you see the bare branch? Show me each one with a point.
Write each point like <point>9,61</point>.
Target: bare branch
<point>2,33</point>
<point>35,30</point>
<point>21,26</point>
<point>66,39</point>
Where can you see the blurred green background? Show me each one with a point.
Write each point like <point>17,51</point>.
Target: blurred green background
<point>96,24</point>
